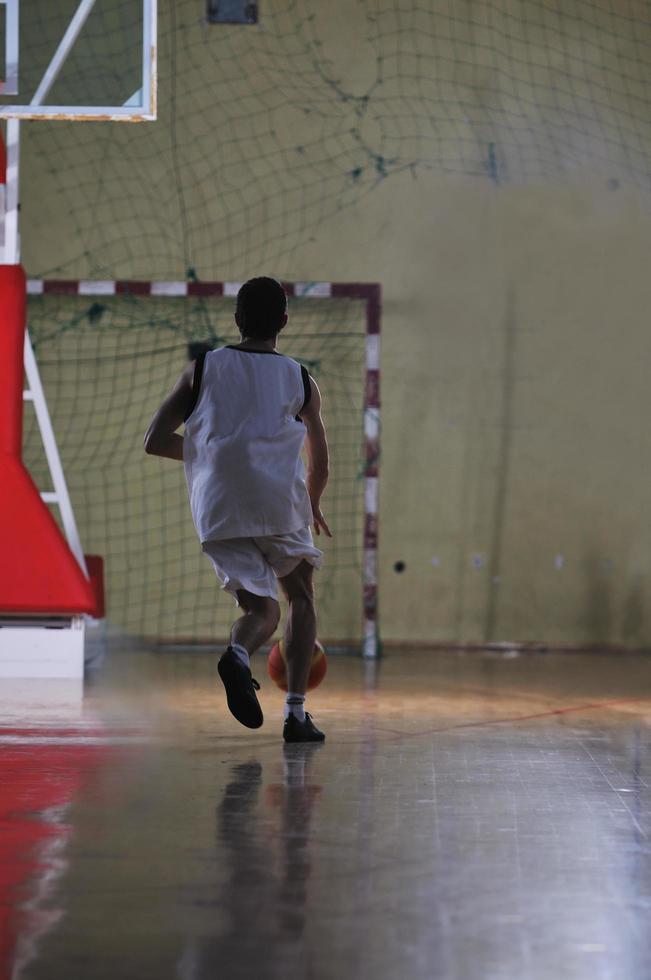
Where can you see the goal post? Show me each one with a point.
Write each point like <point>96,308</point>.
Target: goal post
<point>110,349</point>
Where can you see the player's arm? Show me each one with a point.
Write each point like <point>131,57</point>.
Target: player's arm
<point>161,438</point>
<point>316,443</point>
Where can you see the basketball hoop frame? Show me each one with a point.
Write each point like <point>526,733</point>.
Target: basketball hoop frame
<point>141,106</point>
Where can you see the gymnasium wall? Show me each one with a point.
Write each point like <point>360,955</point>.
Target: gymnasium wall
<point>488,165</point>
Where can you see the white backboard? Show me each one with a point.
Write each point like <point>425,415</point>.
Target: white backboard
<point>78,60</point>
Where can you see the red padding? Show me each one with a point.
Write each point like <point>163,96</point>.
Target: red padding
<point>38,572</point>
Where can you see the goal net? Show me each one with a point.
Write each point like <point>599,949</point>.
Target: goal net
<point>268,131</point>
<point>106,362</point>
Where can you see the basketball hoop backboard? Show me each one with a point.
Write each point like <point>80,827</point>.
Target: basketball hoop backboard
<point>78,60</point>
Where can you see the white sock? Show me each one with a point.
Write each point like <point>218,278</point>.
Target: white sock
<point>295,705</point>
<point>242,653</point>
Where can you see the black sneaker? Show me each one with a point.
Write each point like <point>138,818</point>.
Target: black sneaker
<point>240,690</point>
<point>301,731</point>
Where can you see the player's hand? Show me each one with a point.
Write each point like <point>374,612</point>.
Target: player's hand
<point>320,523</point>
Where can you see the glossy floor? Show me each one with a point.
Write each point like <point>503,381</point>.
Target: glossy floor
<point>470,817</point>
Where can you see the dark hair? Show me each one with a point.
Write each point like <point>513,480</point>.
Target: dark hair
<point>261,306</point>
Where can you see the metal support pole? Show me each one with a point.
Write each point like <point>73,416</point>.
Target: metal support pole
<point>60,495</point>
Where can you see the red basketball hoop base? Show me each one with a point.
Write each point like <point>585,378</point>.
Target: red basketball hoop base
<point>44,590</point>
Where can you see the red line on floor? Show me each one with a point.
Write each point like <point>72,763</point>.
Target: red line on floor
<point>514,719</point>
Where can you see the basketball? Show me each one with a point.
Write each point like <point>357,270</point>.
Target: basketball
<point>277,666</point>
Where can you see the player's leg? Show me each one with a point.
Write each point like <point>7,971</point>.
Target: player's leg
<point>293,558</point>
<point>300,634</point>
<point>300,628</point>
<point>243,571</point>
<point>258,622</point>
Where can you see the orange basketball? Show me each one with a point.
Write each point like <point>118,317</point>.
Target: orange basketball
<point>277,666</point>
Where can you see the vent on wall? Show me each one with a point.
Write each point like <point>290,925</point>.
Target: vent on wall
<point>232,12</point>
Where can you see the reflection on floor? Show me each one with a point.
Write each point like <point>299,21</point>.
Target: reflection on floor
<point>469,817</point>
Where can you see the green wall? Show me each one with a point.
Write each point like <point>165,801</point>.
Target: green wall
<point>488,165</point>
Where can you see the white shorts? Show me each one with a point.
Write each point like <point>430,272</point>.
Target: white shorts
<point>255,564</point>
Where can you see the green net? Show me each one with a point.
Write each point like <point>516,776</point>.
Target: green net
<point>106,363</point>
<point>266,131</point>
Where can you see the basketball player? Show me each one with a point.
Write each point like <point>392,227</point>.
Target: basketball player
<point>248,410</point>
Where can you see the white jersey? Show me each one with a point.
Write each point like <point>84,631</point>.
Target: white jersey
<point>242,445</point>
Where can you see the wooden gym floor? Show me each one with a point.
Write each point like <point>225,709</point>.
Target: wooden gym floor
<point>470,817</point>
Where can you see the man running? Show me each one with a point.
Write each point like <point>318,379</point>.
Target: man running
<point>248,410</point>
